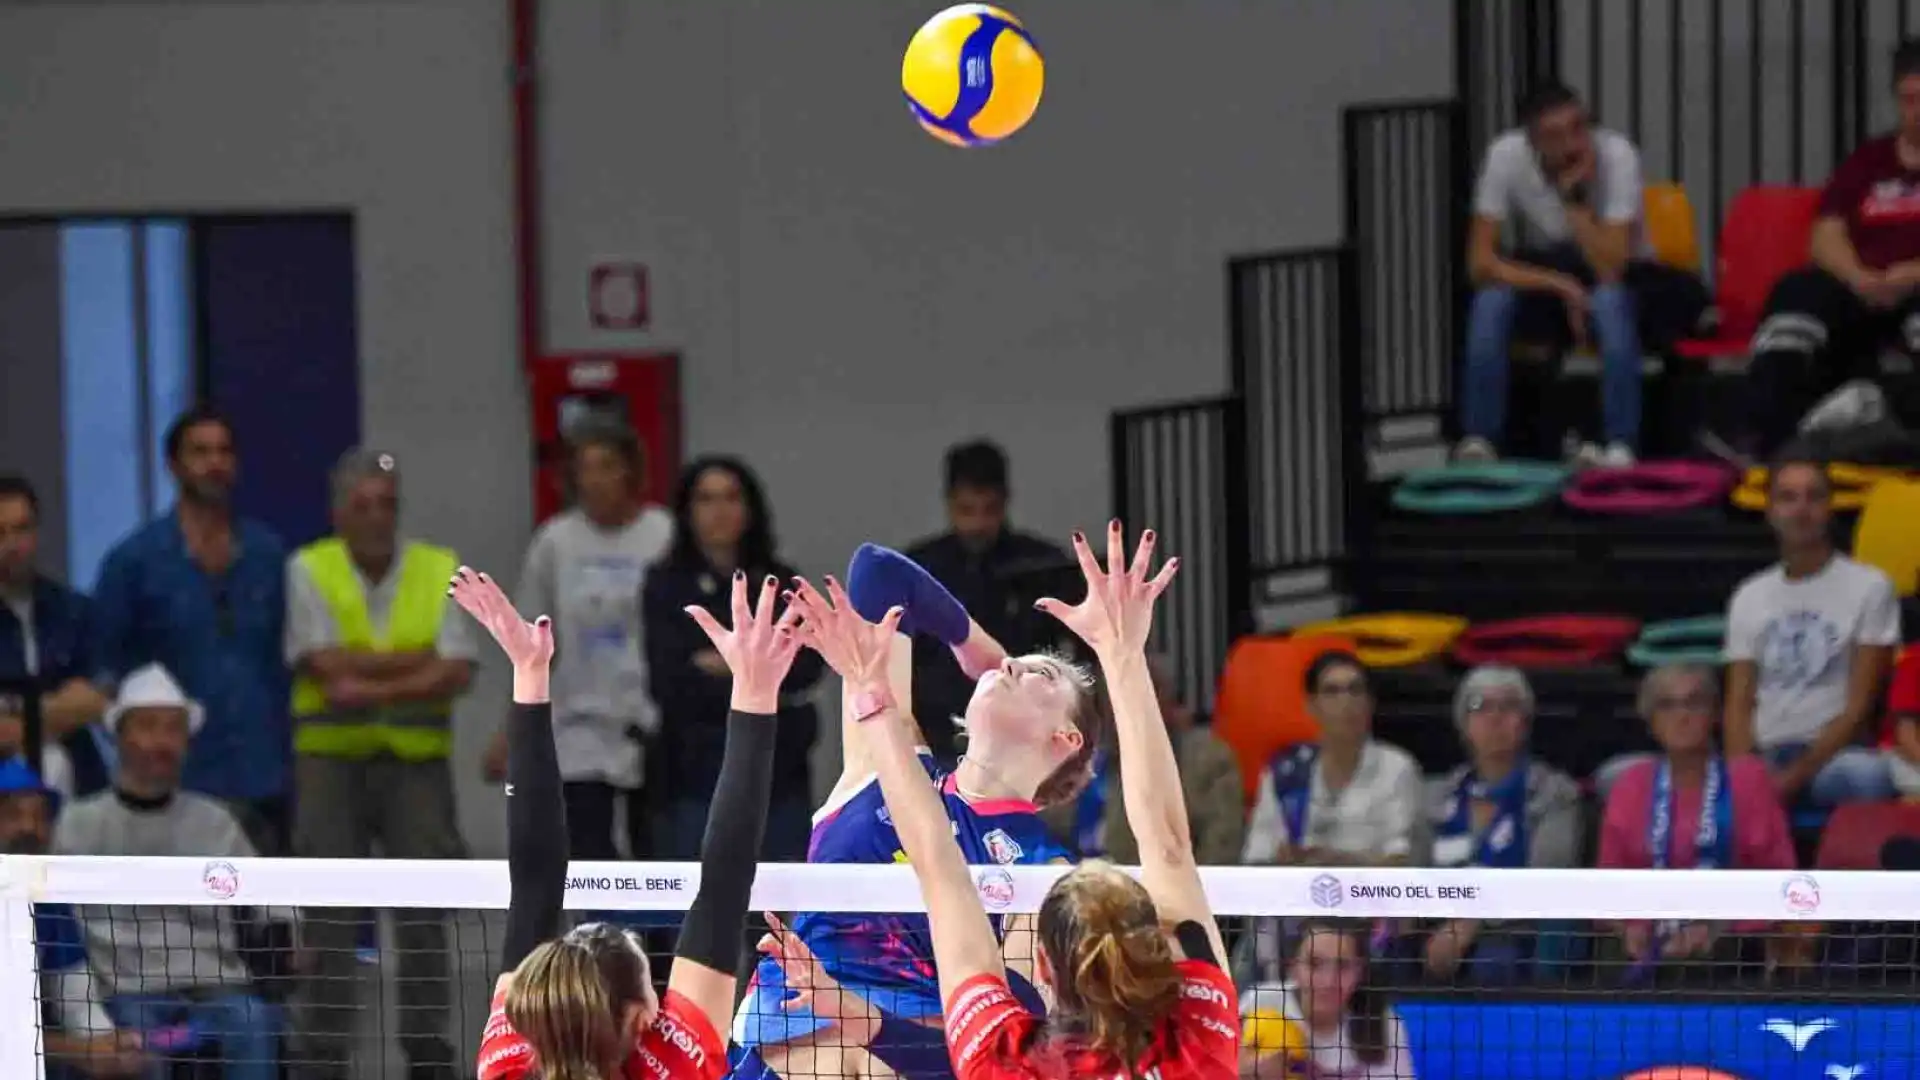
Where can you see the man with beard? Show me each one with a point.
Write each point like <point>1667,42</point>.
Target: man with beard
<point>202,591</point>
<point>994,572</point>
<point>80,1039</point>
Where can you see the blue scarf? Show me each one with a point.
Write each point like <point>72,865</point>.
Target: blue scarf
<point>1292,774</point>
<point>1713,836</point>
<point>1091,809</point>
<point>1503,843</point>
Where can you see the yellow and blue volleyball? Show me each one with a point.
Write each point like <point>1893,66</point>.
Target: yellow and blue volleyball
<point>972,75</point>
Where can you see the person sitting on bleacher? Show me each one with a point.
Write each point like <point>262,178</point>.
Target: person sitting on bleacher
<point>1577,261</point>
<point>1502,809</point>
<point>175,974</point>
<point>1347,800</point>
<point>1688,807</point>
<point>1809,641</point>
<point>1827,322</point>
<point>79,1039</point>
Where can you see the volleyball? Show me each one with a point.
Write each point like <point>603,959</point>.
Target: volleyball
<point>972,75</point>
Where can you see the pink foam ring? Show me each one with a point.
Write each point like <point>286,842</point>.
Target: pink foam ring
<point>1652,487</point>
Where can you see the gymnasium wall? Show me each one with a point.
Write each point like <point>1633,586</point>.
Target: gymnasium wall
<point>849,297</point>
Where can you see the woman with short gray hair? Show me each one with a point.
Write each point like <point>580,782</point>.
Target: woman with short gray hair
<point>1503,810</point>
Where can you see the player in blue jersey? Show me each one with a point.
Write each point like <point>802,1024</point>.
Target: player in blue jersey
<point>1031,732</point>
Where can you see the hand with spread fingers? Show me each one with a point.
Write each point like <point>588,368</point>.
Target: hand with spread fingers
<point>758,649</point>
<point>1116,618</point>
<point>854,648</point>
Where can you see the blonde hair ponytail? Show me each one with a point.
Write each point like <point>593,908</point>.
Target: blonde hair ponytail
<point>1114,974</point>
<point>559,1003</point>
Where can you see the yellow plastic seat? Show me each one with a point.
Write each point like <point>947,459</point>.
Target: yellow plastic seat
<point>1667,215</point>
<point>1888,533</point>
<point>1393,639</point>
<point>1851,485</point>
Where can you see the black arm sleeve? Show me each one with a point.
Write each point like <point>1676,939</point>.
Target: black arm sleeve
<point>536,833</point>
<point>715,925</point>
<point>1194,942</point>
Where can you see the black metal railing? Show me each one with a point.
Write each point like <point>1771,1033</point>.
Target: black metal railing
<point>1182,468</point>
<point>1289,344</point>
<point>1405,186</point>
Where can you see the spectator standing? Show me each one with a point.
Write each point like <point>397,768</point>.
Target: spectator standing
<point>585,569</point>
<point>1576,260</point>
<point>202,591</point>
<point>1209,782</point>
<point>176,969</point>
<point>1689,807</point>
<point>1829,320</point>
<point>80,1039</point>
<point>994,571</point>
<point>43,643</point>
<point>722,526</point>
<point>1809,643</point>
<point>1502,810</point>
<point>379,656</point>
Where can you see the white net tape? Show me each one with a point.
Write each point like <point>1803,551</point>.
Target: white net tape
<point>1581,1021</point>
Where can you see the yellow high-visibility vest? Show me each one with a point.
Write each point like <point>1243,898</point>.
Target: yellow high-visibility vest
<point>417,731</point>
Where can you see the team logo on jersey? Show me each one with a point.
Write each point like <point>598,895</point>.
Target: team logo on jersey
<point>1002,848</point>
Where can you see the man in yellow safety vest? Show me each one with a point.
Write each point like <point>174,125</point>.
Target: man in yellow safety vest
<point>378,656</point>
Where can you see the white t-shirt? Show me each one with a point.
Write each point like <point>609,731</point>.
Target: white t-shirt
<point>1331,1052</point>
<point>1380,812</point>
<point>588,580</point>
<point>1514,190</point>
<point>1800,635</point>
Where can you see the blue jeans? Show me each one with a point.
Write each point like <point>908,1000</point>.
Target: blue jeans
<point>1615,326</point>
<point>1856,774</point>
<point>245,1028</point>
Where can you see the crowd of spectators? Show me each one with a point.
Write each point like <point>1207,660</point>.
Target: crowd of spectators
<point>218,695</point>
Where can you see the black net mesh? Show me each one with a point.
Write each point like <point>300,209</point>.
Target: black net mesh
<point>234,992</point>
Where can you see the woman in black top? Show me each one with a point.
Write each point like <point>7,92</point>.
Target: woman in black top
<point>722,524</point>
<point>582,1006</point>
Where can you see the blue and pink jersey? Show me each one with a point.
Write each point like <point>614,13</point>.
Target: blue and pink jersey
<point>887,958</point>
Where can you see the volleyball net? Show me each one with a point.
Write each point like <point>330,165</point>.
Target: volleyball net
<point>257,968</point>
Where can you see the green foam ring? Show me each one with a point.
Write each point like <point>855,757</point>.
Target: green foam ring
<point>1698,640</point>
<point>1479,487</point>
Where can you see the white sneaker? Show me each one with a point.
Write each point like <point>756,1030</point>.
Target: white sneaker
<point>1474,450</point>
<point>1586,456</point>
<point>1617,455</point>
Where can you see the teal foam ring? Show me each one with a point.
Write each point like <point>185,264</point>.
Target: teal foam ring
<point>1698,640</point>
<point>1479,487</point>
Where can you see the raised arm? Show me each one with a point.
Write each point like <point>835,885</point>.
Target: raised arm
<point>880,579</point>
<point>759,651</point>
<point>963,941</point>
<point>536,811</point>
<point>1115,621</point>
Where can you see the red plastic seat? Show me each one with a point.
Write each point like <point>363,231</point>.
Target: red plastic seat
<point>1765,237</point>
<point>1856,832</point>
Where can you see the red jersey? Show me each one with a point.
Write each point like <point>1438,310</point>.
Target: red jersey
<point>992,1036</point>
<point>681,1045</point>
<point>1879,199</point>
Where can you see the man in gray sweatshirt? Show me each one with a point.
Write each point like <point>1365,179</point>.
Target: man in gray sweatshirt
<point>172,971</point>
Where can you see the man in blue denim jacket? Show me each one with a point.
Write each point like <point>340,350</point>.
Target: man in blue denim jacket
<point>202,591</point>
